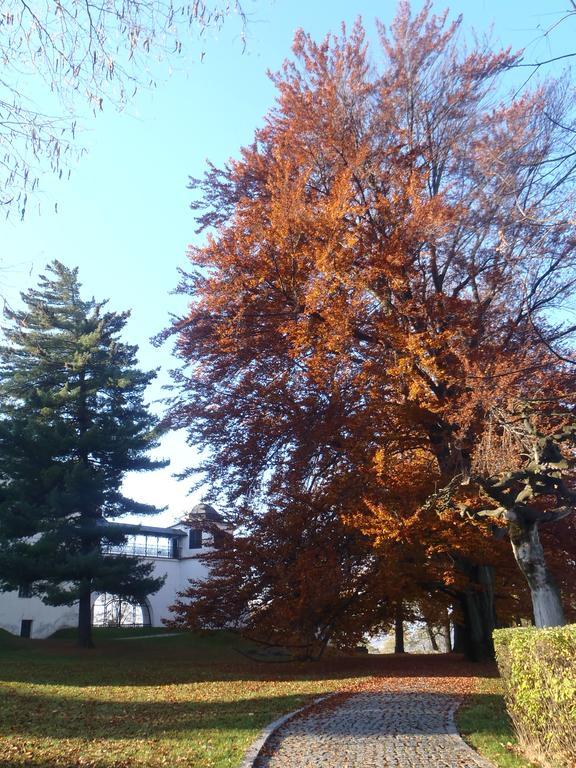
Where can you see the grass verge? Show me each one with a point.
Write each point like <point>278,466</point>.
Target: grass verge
<point>484,724</point>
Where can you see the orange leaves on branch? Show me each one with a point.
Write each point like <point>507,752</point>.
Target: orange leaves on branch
<point>377,290</point>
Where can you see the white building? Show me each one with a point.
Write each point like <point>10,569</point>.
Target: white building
<point>174,553</point>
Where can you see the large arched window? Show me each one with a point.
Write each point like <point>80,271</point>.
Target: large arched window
<point>112,611</point>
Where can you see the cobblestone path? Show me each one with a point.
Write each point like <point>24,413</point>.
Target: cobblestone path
<point>372,730</point>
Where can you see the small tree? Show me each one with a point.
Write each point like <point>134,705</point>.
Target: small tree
<point>73,423</point>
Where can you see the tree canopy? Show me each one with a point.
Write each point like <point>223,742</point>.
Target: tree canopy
<point>378,292</point>
<point>73,422</point>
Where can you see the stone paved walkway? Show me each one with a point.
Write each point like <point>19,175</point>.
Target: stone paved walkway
<point>372,730</point>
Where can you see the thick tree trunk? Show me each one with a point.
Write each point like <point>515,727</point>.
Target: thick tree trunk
<point>479,645</point>
<point>85,619</point>
<point>399,630</point>
<point>529,554</point>
<point>474,638</point>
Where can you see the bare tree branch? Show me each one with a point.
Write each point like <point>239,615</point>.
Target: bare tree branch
<point>81,53</point>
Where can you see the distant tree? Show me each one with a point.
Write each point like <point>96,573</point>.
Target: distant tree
<point>73,422</point>
<point>76,53</point>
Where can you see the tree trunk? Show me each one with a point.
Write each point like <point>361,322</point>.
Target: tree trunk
<point>399,630</point>
<point>529,554</point>
<point>85,601</point>
<point>479,615</point>
<point>459,644</point>
<point>85,619</point>
<point>432,637</point>
<point>447,639</point>
<point>481,618</point>
<point>473,637</point>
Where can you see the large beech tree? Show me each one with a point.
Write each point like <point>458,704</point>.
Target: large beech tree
<point>378,277</point>
<point>73,422</point>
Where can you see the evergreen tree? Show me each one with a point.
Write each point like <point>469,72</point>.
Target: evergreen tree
<point>73,423</point>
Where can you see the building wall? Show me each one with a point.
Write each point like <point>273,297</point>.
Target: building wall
<point>48,619</point>
<point>178,573</point>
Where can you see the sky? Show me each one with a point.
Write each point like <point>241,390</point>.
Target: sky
<point>123,217</point>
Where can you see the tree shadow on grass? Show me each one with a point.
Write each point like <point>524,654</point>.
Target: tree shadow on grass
<point>485,713</point>
<point>162,663</point>
<point>55,716</point>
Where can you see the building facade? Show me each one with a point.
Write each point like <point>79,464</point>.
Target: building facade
<point>174,553</point>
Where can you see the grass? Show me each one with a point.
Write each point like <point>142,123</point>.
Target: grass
<point>186,700</point>
<point>484,723</point>
<point>172,701</point>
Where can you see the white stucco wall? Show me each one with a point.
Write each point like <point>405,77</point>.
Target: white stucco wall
<point>178,573</point>
<point>48,619</point>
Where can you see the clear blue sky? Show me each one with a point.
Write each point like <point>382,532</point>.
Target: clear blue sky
<point>123,217</point>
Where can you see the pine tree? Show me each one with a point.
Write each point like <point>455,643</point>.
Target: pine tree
<point>73,422</point>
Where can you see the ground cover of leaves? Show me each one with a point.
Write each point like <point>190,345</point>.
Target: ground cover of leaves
<point>184,700</point>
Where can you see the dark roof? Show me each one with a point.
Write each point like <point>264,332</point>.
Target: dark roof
<point>148,530</point>
<point>153,530</point>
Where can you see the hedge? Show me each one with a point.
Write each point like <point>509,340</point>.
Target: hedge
<point>538,668</point>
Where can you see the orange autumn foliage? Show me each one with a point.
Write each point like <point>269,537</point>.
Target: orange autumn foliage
<point>376,283</point>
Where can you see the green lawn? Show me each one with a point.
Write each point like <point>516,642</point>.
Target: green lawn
<point>485,725</point>
<point>190,700</point>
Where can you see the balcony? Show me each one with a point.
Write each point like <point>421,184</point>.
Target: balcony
<point>146,546</point>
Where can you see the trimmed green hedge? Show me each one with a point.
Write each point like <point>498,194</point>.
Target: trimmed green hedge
<point>538,667</point>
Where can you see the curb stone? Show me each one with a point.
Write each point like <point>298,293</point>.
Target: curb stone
<point>255,749</point>
<point>453,732</point>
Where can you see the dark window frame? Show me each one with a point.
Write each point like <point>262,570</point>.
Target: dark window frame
<point>195,538</point>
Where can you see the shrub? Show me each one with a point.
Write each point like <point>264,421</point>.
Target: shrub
<point>538,667</point>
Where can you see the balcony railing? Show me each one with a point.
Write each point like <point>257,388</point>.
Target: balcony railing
<point>166,548</point>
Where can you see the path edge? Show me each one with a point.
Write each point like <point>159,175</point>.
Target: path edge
<point>253,751</point>
<point>454,733</point>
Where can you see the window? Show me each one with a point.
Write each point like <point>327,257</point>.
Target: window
<point>25,590</point>
<point>112,611</point>
<point>195,540</point>
<point>143,545</point>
